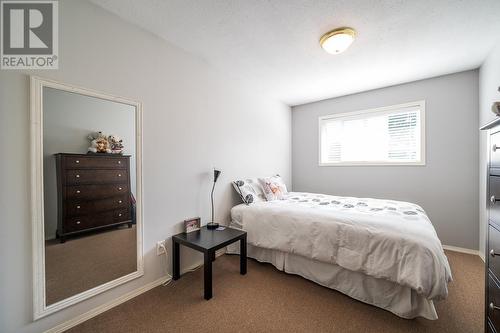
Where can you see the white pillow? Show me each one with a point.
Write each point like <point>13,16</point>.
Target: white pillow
<point>249,190</point>
<point>274,188</point>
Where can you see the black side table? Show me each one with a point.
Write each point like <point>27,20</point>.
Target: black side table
<point>209,241</point>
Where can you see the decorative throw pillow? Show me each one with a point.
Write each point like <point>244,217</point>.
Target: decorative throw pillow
<point>249,190</point>
<point>274,188</point>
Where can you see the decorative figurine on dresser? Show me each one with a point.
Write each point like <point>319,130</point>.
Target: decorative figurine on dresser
<point>492,258</point>
<point>93,189</point>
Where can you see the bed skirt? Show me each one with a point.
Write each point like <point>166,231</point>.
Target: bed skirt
<point>400,300</point>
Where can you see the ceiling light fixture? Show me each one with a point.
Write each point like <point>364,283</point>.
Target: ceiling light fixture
<point>337,40</point>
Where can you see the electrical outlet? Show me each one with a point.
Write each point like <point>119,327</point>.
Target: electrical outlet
<point>160,247</point>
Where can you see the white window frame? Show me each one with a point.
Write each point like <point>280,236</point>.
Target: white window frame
<point>420,104</point>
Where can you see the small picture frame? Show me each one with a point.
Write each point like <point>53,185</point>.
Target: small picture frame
<point>192,225</point>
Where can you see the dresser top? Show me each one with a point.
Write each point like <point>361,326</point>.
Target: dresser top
<point>91,155</point>
<point>491,124</point>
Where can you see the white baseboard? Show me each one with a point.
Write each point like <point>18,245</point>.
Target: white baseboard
<point>105,307</point>
<point>462,250</point>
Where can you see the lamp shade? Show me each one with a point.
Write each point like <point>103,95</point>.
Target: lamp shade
<point>216,174</point>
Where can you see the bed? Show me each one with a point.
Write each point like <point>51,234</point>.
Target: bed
<point>382,252</point>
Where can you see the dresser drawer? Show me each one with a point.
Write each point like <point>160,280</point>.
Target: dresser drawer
<point>494,183</point>
<point>494,246</point>
<point>80,177</point>
<point>79,223</point>
<point>493,302</point>
<point>495,150</point>
<point>95,162</point>
<point>82,207</point>
<point>87,192</point>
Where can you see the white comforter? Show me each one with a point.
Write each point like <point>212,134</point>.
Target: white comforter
<point>392,240</point>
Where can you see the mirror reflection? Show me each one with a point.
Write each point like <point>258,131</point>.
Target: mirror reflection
<point>89,179</point>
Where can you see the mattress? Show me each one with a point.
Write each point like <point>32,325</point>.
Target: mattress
<point>386,240</point>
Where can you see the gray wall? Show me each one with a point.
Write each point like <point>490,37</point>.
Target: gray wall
<point>195,118</point>
<point>446,187</point>
<point>489,83</point>
<point>68,119</point>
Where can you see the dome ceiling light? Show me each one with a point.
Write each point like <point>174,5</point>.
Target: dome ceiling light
<point>337,40</point>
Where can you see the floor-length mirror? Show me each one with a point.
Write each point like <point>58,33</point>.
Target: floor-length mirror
<point>87,152</point>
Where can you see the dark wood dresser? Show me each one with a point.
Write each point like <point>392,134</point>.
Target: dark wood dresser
<point>492,257</point>
<point>93,192</point>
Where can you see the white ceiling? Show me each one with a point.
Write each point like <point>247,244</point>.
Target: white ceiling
<point>273,44</point>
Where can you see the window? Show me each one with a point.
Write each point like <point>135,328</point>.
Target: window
<point>391,135</point>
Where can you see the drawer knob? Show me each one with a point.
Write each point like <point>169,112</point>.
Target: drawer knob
<point>119,162</point>
<point>77,161</point>
<point>77,176</point>
<point>493,253</point>
<point>77,222</point>
<point>119,201</point>
<point>119,175</point>
<point>78,207</point>
<point>77,191</point>
<point>494,147</point>
<point>493,199</point>
<point>119,188</point>
<point>119,215</point>
<point>493,307</point>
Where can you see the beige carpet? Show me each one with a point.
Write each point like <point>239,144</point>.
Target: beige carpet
<point>267,300</point>
<point>87,261</point>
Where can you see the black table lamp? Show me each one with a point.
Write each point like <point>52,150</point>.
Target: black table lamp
<point>212,224</point>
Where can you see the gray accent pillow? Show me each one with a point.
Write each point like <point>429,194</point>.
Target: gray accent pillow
<point>249,190</point>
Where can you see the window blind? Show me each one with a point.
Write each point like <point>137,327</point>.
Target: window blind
<point>391,135</point>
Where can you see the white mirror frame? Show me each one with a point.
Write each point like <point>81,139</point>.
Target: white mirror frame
<point>40,308</point>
